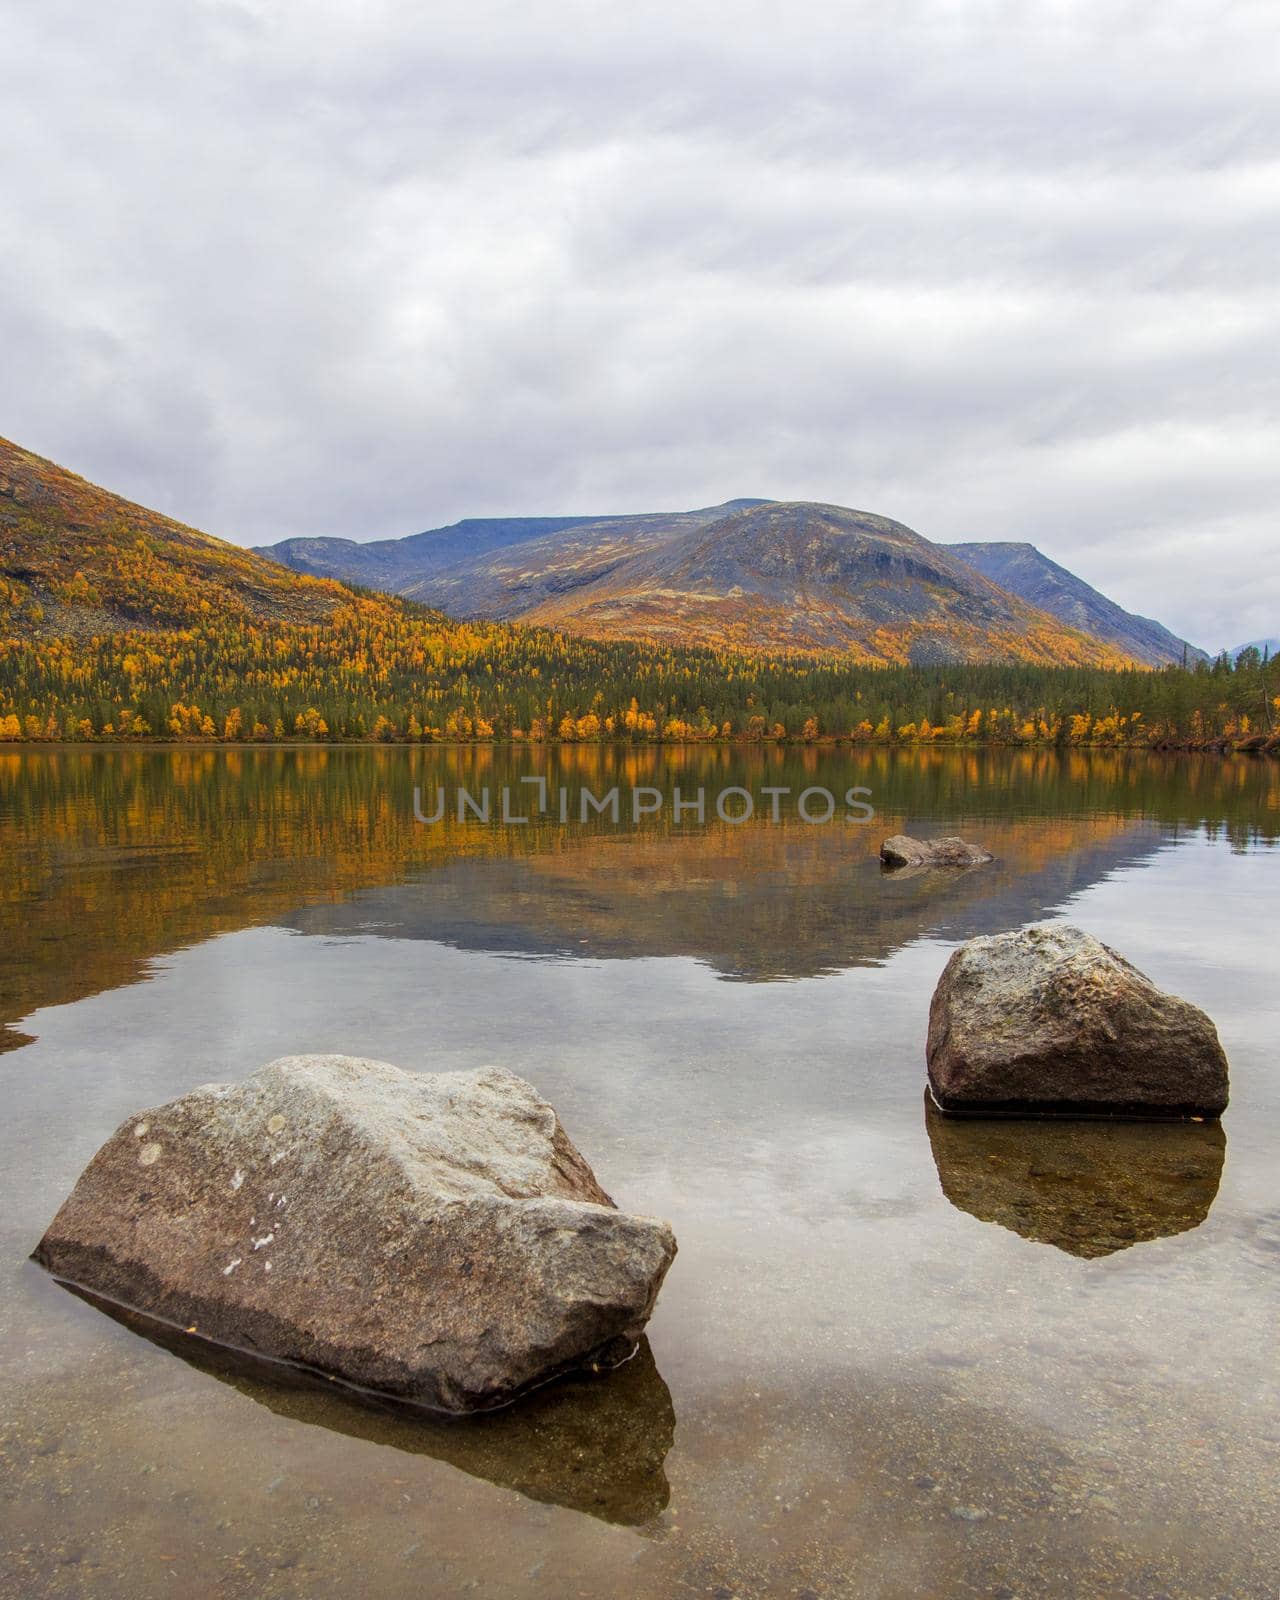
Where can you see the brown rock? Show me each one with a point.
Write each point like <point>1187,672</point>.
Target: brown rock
<point>432,1237</point>
<point>902,851</point>
<point>1049,1020</point>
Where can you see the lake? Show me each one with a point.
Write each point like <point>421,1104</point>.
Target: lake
<point>896,1356</point>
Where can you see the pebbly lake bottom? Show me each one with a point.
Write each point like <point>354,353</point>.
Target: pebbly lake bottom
<point>893,1358</point>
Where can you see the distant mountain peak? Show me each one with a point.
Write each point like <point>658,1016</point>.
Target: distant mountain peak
<point>778,574</point>
<point>745,504</point>
<point>1026,571</point>
<point>1269,647</point>
<point>789,575</point>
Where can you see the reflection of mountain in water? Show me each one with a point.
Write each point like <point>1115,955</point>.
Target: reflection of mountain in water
<point>112,857</point>
<point>1089,1188</point>
<point>595,1444</point>
<point>755,904</point>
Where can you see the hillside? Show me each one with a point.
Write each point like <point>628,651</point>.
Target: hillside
<point>894,596</point>
<point>1026,572</point>
<point>117,623</point>
<point>402,566</point>
<point>76,560</point>
<point>797,576</point>
<point>395,564</point>
<point>512,582</point>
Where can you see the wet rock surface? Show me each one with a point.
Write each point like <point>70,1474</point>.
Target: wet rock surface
<point>1048,1020</point>
<point>436,1238</point>
<point>1088,1188</point>
<point>902,852</point>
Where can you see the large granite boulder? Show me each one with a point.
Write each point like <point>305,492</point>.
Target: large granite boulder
<point>435,1238</point>
<point>1049,1020</point>
<point>903,851</point>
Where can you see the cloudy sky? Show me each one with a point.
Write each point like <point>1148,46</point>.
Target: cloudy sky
<point>999,270</point>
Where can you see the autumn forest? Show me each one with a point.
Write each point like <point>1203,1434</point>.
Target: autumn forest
<point>377,671</point>
<point>118,624</point>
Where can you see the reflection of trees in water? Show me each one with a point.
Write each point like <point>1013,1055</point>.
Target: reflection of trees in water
<point>1088,1188</point>
<point>113,856</point>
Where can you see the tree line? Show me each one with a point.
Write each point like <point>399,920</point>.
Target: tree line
<point>377,670</point>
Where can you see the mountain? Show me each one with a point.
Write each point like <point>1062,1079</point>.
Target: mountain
<point>398,565</point>
<point>1025,571</point>
<point>895,596</point>
<point>76,560</point>
<point>117,623</point>
<point>1268,647</point>
<point>777,576</point>
<point>511,582</point>
<point>393,564</point>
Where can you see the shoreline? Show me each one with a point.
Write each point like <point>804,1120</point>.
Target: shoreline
<point>1254,745</point>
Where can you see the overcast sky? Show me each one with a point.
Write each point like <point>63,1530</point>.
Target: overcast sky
<point>999,270</point>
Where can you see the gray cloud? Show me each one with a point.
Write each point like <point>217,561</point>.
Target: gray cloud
<point>1001,269</point>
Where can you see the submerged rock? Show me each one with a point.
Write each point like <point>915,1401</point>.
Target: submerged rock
<point>1049,1020</point>
<point>1088,1188</point>
<point>433,1237</point>
<point>902,851</point>
<point>596,1443</point>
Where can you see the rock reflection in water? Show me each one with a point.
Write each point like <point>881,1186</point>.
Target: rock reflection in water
<point>592,1443</point>
<point>1089,1188</point>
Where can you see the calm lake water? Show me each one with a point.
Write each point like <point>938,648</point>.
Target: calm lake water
<point>893,1359</point>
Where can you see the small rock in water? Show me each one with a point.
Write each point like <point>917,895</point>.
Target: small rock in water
<point>970,1513</point>
<point>1049,1020</point>
<point>902,851</point>
<point>443,1241</point>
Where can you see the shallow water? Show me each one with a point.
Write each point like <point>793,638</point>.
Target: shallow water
<point>893,1358</point>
